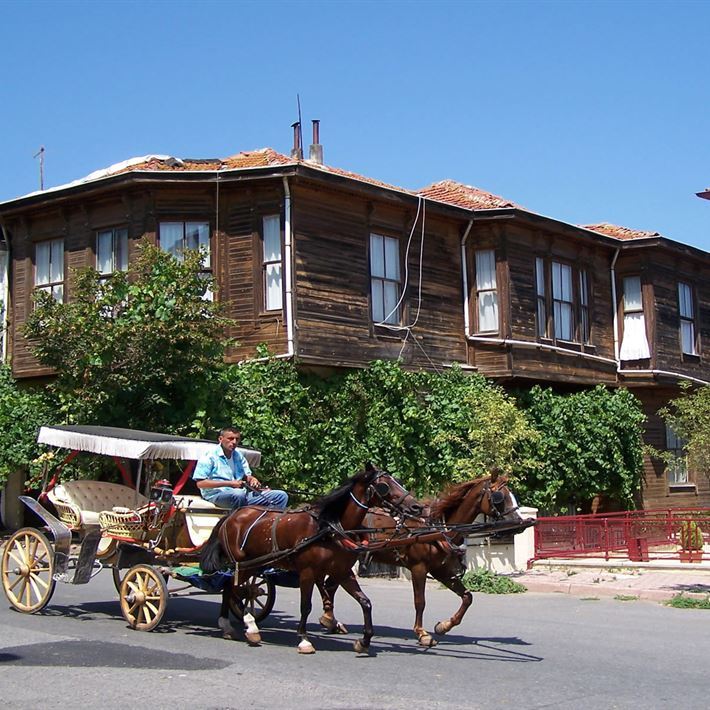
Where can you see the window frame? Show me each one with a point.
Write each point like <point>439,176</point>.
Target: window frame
<point>50,285</point>
<point>548,305</point>
<point>384,279</point>
<point>688,320</point>
<point>266,263</point>
<point>631,311</point>
<point>116,233</point>
<point>208,268</point>
<point>481,292</point>
<point>675,446</point>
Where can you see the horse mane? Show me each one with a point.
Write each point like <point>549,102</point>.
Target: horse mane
<point>452,497</point>
<point>329,508</point>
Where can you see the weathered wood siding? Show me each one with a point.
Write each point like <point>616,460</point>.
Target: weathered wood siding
<point>517,247</point>
<point>332,281</point>
<point>239,273</point>
<point>656,492</point>
<point>660,271</point>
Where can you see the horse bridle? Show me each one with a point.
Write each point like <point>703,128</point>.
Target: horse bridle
<point>496,499</point>
<point>380,491</point>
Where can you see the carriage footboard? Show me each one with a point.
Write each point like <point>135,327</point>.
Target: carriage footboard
<point>60,532</point>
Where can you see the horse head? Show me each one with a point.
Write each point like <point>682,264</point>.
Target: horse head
<point>489,496</point>
<point>497,501</point>
<point>387,492</point>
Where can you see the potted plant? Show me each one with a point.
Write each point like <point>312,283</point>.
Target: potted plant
<point>691,542</point>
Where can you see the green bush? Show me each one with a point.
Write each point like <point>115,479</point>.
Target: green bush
<point>483,580</point>
<point>427,429</point>
<point>680,601</point>
<point>22,411</point>
<point>589,442</point>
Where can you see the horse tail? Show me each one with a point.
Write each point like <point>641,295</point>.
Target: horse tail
<point>212,557</point>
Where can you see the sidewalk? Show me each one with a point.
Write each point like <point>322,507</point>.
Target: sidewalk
<point>651,581</point>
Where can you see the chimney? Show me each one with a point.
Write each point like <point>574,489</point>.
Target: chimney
<point>315,154</point>
<point>296,151</point>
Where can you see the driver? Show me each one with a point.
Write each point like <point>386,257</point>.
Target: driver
<point>225,479</point>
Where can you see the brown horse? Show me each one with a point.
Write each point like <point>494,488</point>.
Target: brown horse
<point>314,542</point>
<point>443,559</point>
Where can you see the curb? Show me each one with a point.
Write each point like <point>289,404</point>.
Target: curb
<point>604,590</point>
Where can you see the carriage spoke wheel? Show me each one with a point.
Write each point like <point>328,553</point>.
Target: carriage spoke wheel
<point>144,597</point>
<point>28,570</point>
<point>256,594</point>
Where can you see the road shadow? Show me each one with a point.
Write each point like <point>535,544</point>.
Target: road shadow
<point>105,654</point>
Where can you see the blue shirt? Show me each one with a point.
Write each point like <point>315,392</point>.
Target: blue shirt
<point>215,466</point>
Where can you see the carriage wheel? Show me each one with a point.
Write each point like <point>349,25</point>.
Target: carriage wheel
<point>257,594</point>
<point>144,597</point>
<point>28,570</point>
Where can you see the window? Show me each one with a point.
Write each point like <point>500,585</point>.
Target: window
<point>271,263</point>
<point>486,291</point>
<point>177,237</point>
<point>634,345</point>
<point>562,301</point>
<point>385,279</point>
<point>49,268</point>
<point>584,322</point>
<point>687,321</point>
<point>677,470</point>
<point>111,251</point>
<point>541,300</point>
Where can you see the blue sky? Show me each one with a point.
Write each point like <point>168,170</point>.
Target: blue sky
<point>583,111</point>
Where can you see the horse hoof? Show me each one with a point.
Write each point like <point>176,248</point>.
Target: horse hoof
<point>427,640</point>
<point>328,623</point>
<point>306,647</point>
<point>443,627</point>
<point>340,629</point>
<point>253,639</point>
<point>359,647</point>
<point>228,631</point>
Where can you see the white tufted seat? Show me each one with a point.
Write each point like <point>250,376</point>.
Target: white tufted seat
<point>200,516</point>
<point>86,499</point>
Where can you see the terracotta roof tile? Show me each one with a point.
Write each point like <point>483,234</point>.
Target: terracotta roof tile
<point>613,230</point>
<point>456,193</point>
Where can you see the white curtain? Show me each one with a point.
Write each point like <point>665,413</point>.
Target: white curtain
<point>634,345</point>
<point>104,252</point>
<point>486,290</point>
<point>171,234</point>
<point>272,258</point>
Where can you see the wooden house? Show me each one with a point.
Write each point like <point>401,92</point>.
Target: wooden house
<point>334,270</point>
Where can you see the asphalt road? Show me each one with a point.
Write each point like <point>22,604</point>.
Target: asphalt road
<point>518,651</point>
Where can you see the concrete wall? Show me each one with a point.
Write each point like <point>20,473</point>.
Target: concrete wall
<point>503,557</point>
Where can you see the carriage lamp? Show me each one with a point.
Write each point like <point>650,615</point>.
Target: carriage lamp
<point>161,492</point>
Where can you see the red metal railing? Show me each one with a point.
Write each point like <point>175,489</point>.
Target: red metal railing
<point>636,535</point>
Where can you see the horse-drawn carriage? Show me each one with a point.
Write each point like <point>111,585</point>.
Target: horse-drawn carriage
<point>146,532</point>
<point>151,535</point>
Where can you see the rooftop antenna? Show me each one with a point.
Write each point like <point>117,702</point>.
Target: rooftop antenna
<point>40,153</point>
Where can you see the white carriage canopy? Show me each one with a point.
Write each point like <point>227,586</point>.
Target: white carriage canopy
<point>132,443</point>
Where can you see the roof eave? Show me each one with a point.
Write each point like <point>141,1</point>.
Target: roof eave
<point>502,213</point>
<point>144,176</point>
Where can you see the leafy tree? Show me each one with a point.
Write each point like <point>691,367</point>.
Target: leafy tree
<point>22,412</point>
<point>689,417</point>
<point>589,443</point>
<point>141,349</point>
